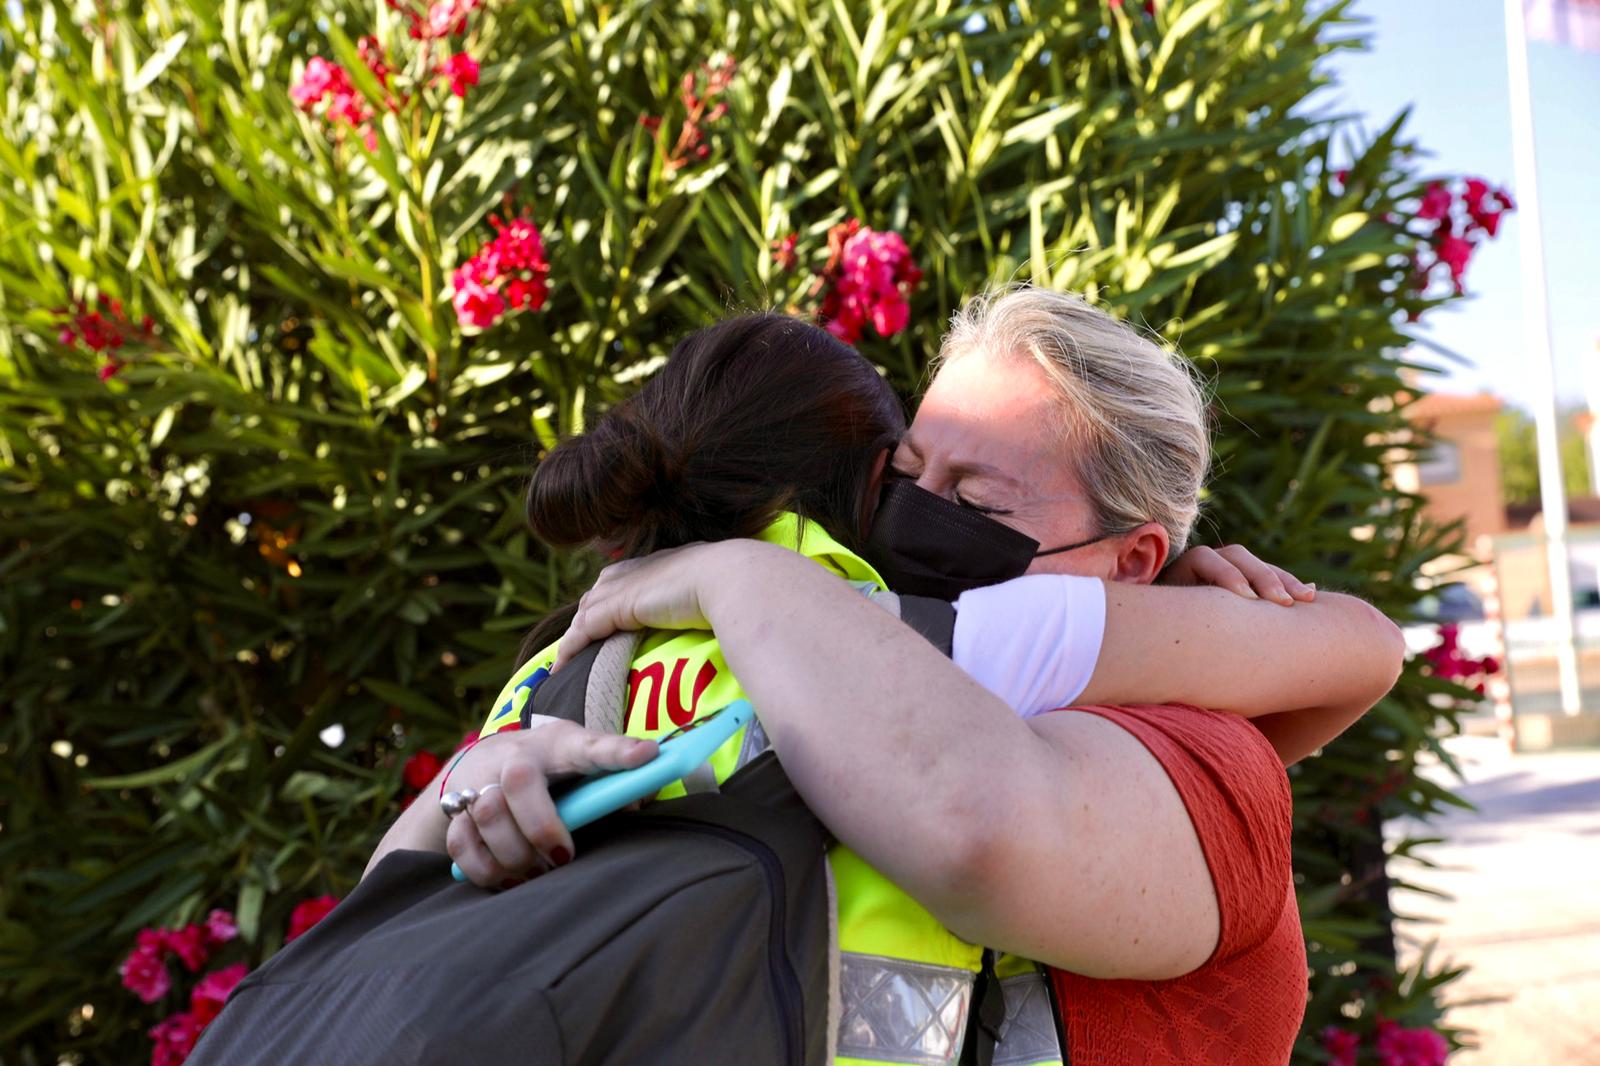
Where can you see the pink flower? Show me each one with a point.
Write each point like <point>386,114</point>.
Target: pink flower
<point>144,973</point>
<point>1435,203</point>
<point>1341,1045</point>
<point>1410,1047</point>
<point>309,912</point>
<point>448,18</point>
<point>476,305</point>
<point>206,1001</point>
<point>462,70</point>
<point>867,279</point>
<point>220,927</point>
<point>319,79</point>
<point>109,369</point>
<point>189,944</point>
<point>174,1038</point>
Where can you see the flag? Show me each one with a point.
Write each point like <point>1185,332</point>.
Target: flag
<point>1575,23</point>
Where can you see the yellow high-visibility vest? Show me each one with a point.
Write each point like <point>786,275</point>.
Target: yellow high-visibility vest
<point>905,981</point>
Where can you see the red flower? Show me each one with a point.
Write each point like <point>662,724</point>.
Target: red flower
<point>109,369</point>
<point>462,71</point>
<point>371,52</point>
<point>1410,1047</point>
<point>190,945</point>
<point>783,252</point>
<point>698,109</point>
<point>1455,253</point>
<point>174,1039</point>
<point>507,273</point>
<point>651,122</point>
<point>1341,1045</point>
<point>526,294</point>
<point>144,973</point>
<point>867,279</point>
<point>1485,205</point>
<point>1435,203</point>
<point>421,768</point>
<point>206,1001</point>
<point>476,304</point>
<point>309,912</point>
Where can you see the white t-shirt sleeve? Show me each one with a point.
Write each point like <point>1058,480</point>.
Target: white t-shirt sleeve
<point>1033,641</point>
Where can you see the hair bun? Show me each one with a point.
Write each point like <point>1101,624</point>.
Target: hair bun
<point>621,482</point>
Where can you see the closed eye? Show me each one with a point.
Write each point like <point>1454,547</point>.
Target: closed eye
<point>980,508</point>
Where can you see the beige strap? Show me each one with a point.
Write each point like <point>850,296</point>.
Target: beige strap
<point>605,698</point>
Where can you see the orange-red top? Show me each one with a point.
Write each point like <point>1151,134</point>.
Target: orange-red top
<point>1243,1007</point>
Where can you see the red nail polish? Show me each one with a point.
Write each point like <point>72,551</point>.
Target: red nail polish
<point>560,856</point>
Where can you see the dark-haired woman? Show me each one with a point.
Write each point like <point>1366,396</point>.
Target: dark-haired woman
<point>1108,865</point>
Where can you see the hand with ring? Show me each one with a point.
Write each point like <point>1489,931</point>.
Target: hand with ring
<point>503,823</point>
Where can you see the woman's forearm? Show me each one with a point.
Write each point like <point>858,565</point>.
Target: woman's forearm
<point>812,653</point>
<point>420,827</point>
<point>1336,656</point>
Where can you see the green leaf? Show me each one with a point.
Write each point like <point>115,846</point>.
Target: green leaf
<point>156,65</point>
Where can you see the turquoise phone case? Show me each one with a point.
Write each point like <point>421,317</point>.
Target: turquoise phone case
<point>600,794</point>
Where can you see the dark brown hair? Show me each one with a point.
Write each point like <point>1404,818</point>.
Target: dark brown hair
<point>757,414</point>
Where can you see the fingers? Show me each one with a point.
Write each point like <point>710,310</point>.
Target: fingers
<point>470,853</point>
<point>512,828</point>
<point>509,843</point>
<point>1263,579</point>
<point>1302,591</point>
<point>530,815</point>
<point>575,750</point>
<point>1210,568</point>
<point>596,617</point>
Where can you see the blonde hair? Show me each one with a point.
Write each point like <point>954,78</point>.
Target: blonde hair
<point>1134,413</point>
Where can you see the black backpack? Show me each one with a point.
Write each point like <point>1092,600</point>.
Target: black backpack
<point>699,930</point>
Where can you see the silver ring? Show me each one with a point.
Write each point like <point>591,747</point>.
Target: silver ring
<point>453,803</point>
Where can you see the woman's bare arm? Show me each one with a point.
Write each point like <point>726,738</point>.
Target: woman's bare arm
<point>940,786</point>
<point>1211,648</point>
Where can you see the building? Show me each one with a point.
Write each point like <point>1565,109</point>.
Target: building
<point>1506,568</point>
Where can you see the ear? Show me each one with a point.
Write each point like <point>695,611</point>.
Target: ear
<point>869,506</point>
<point>1141,554</point>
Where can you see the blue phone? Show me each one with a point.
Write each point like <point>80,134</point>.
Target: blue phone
<point>597,795</point>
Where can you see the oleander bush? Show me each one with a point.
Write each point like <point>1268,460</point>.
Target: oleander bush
<point>293,295</point>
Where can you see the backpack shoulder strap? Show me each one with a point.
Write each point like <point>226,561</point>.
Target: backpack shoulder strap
<point>605,697</point>
<point>591,690</point>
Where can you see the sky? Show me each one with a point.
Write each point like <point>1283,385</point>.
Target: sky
<point>1446,59</point>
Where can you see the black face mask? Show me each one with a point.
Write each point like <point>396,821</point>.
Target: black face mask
<point>925,545</point>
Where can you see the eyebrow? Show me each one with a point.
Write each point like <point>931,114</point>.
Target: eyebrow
<point>966,467</point>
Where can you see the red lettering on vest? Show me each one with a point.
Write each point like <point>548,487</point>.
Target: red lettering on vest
<point>681,715</point>
<point>656,672</point>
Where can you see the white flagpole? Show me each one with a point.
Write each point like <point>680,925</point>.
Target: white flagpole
<point>1591,392</point>
<point>1536,313</point>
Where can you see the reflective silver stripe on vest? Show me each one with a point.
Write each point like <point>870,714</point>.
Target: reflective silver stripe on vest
<point>1028,1035</point>
<point>755,742</point>
<point>895,1010</point>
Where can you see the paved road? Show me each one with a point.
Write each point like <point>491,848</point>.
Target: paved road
<point>1524,871</point>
